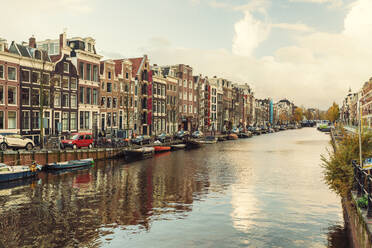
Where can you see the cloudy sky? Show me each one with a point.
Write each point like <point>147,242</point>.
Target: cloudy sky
<point>309,51</point>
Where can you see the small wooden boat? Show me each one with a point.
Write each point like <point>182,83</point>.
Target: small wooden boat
<point>232,136</point>
<point>69,164</point>
<point>208,140</point>
<point>162,148</point>
<point>140,152</point>
<point>11,173</point>
<point>192,144</point>
<point>178,146</point>
<point>245,135</point>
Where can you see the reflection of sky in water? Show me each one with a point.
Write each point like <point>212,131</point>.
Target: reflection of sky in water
<point>261,192</point>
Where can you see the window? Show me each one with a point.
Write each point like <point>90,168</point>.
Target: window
<point>190,109</point>
<point>190,96</point>
<point>184,108</point>
<point>25,96</point>
<point>89,96</point>
<point>81,98</point>
<point>73,121</point>
<point>155,107</point>
<point>35,77</point>
<point>25,75</point>
<point>64,121</point>
<point>89,72</point>
<point>115,87</point>
<point>126,75</point>
<point>65,82</point>
<point>103,101</point>
<point>73,83</point>
<point>65,101</point>
<point>195,110</point>
<point>57,81</point>
<point>162,107</point>
<point>163,90</point>
<point>95,73</point>
<point>46,98</point>
<point>180,109</point>
<point>108,102</point>
<point>159,89</point>
<point>109,87</point>
<point>109,119</point>
<point>184,83</point>
<point>103,85</point>
<point>46,79</point>
<point>65,67</point>
<point>25,120</point>
<point>12,73</point>
<point>114,119</point>
<point>35,98</point>
<point>12,95</point>
<point>35,120</point>
<point>95,96</point>
<point>114,102</point>
<point>57,99</point>
<point>86,119</point>
<point>73,101</point>
<point>1,120</point>
<point>1,71</point>
<point>81,70</point>
<point>12,120</point>
<point>89,47</point>
<point>109,75</point>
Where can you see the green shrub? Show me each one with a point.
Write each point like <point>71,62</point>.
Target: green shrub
<point>363,202</point>
<point>337,168</point>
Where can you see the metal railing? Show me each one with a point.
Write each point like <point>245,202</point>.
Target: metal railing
<point>362,184</point>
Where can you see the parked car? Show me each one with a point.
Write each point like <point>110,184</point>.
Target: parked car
<point>163,137</point>
<point>182,134</point>
<point>197,134</point>
<point>141,140</point>
<point>15,141</point>
<point>78,140</point>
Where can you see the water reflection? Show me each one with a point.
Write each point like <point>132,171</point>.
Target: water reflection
<point>257,193</point>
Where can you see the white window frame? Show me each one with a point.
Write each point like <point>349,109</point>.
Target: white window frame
<point>29,76</point>
<point>16,95</point>
<point>68,102</point>
<point>76,121</point>
<point>68,82</point>
<point>68,120</point>
<point>72,105</point>
<point>60,101</point>
<point>3,77</point>
<point>16,76</point>
<point>29,120</point>
<point>3,103</point>
<point>16,116</point>
<point>29,96</point>
<point>68,67</point>
<point>37,111</point>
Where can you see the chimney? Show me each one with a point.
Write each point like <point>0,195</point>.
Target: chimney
<point>62,40</point>
<point>32,42</point>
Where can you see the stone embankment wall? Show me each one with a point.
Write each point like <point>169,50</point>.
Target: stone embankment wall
<point>45,157</point>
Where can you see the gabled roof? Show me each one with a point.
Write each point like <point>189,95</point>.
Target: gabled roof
<point>26,51</point>
<point>118,66</point>
<point>136,64</point>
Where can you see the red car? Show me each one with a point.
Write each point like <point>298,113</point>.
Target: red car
<point>77,140</point>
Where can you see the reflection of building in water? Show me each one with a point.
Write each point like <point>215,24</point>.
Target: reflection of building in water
<point>71,209</point>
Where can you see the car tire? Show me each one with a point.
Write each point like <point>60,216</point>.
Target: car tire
<point>90,146</point>
<point>3,146</point>
<point>74,147</point>
<point>29,146</point>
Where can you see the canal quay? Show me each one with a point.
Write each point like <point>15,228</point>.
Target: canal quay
<point>266,191</point>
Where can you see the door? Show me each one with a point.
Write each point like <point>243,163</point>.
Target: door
<point>57,121</point>
<point>103,121</point>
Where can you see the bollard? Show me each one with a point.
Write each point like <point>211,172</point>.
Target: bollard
<point>59,156</point>
<point>46,157</point>
<point>18,158</point>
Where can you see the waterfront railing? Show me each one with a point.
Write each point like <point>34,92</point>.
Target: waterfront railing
<point>362,185</point>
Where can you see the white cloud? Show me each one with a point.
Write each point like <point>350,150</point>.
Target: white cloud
<point>317,70</point>
<point>300,27</point>
<point>249,33</point>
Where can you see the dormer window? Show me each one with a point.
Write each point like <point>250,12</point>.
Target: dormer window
<point>65,68</point>
<point>89,47</point>
<point>37,54</point>
<point>109,75</point>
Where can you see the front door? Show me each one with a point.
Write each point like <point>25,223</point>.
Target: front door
<point>103,121</point>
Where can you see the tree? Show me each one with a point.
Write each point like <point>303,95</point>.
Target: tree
<point>309,115</point>
<point>333,112</point>
<point>298,114</point>
<point>283,117</point>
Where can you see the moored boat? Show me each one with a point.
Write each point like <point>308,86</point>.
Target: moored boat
<point>245,135</point>
<point>178,146</point>
<point>162,148</point>
<point>232,136</point>
<point>11,173</point>
<point>140,152</point>
<point>192,144</point>
<point>208,140</point>
<point>69,164</point>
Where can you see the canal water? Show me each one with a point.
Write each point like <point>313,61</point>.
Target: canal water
<point>266,191</point>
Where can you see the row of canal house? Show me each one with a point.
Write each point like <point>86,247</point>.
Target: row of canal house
<point>67,85</point>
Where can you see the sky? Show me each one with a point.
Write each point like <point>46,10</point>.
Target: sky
<point>308,51</point>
